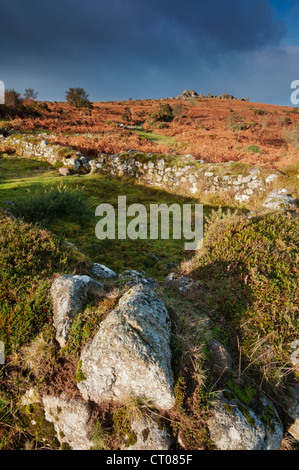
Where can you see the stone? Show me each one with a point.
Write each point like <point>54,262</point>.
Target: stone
<point>161,164</point>
<point>69,296</point>
<point>30,397</point>
<point>182,283</point>
<point>246,179</point>
<point>234,426</point>
<point>149,435</point>
<point>279,199</point>
<point>64,171</point>
<point>271,178</point>
<point>169,266</point>
<point>255,171</point>
<point>292,410</point>
<point>130,354</point>
<point>102,272</point>
<point>71,419</point>
<point>221,361</point>
<point>187,94</point>
<point>73,163</point>
<point>294,359</point>
<point>132,278</point>
<point>242,197</point>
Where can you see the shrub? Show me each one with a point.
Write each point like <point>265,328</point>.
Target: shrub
<point>254,149</point>
<point>29,258</point>
<point>78,98</point>
<point>259,112</point>
<point>164,113</point>
<point>45,207</point>
<point>292,136</point>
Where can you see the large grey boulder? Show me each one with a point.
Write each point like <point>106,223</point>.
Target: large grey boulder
<point>72,420</point>
<point>279,199</point>
<point>69,296</point>
<point>234,426</point>
<point>130,354</point>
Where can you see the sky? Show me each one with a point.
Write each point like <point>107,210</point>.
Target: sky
<point>140,49</point>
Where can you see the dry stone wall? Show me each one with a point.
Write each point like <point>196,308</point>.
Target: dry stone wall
<point>181,174</point>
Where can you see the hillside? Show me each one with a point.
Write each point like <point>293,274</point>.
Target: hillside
<point>139,343</point>
<point>215,130</point>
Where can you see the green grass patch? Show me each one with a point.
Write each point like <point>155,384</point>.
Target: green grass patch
<point>254,149</point>
<point>157,138</point>
<point>34,186</point>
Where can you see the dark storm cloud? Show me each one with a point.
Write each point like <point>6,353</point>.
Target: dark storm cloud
<point>153,30</point>
<point>123,36</point>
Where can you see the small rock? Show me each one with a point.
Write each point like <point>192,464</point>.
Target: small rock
<point>271,178</point>
<point>292,409</point>
<point>71,419</point>
<point>64,171</point>
<point>102,272</point>
<point>132,278</point>
<point>255,171</point>
<point>182,283</point>
<point>74,164</point>
<point>221,361</point>
<point>149,435</point>
<point>234,426</point>
<point>69,297</point>
<point>278,199</point>
<point>169,266</point>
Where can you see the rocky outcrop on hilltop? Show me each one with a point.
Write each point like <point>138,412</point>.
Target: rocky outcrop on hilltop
<point>191,94</point>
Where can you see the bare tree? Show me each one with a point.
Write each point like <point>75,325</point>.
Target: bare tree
<point>30,94</point>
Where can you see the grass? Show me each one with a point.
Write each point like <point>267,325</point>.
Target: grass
<point>157,138</point>
<point>250,272</point>
<point>246,291</point>
<point>30,181</point>
<point>254,149</point>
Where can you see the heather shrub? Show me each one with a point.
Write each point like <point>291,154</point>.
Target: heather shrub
<point>45,207</point>
<point>29,259</point>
